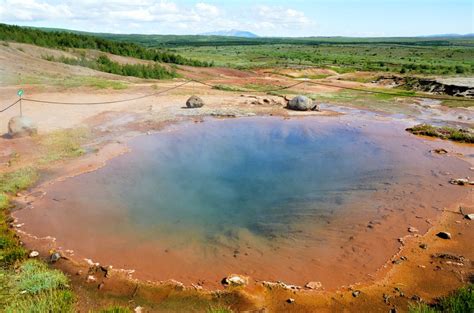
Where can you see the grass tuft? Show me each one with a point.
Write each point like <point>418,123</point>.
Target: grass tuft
<point>64,144</point>
<point>460,301</point>
<point>116,309</point>
<point>461,135</point>
<point>56,301</point>
<point>35,277</point>
<point>219,310</point>
<point>13,182</point>
<point>228,88</point>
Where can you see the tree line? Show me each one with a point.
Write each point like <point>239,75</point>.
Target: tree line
<point>105,64</point>
<point>57,39</point>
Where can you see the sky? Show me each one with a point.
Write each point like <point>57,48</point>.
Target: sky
<point>293,18</point>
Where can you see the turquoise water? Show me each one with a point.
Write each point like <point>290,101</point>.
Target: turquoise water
<point>206,181</point>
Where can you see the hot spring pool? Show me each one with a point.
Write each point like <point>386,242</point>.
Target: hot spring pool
<point>295,200</point>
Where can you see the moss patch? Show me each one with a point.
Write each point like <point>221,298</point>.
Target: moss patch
<point>460,135</point>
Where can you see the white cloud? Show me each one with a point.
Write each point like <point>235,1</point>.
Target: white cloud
<point>207,10</point>
<point>31,10</point>
<point>152,16</point>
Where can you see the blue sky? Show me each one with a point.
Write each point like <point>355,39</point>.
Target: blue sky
<point>265,18</point>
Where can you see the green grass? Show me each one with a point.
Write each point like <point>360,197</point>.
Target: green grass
<point>447,133</point>
<point>12,182</point>
<point>71,82</point>
<point>116,309</point>
<point>34,288</point>
<point>342,57</point>
<point>219,310</point>
<point>35,277</point>
<point>56,301</point>
<point>461,301</point>
<point>64,144</point>
<point>228,88</point>
<point>3,201</point>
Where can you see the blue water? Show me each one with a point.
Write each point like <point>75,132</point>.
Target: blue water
<point>207,180</point>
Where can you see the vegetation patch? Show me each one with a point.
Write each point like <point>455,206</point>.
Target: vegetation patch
<point>35,277</point>
<point>116,309</point>
<point>64,144</point>
<point>228,88</point>
<point>407,56</point>
<point>460,301</point>
<point>12,182</point>
<point>445,132</point>
<point>104,64</point>
<point>56,301</point>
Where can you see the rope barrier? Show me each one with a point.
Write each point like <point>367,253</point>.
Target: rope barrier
<point>11,105</point>
<point>108,102</point>
<point>240,90</point>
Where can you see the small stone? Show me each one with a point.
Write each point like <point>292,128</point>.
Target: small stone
<point>469,216</point>
<point>444,235</point>
<point>138,309</point>
<point>235,280</point>
<point>440,151</point>
<point>393,310</point>
<point>33,254</point>
<point>412,229</point>
<point>290,300</point>
<point>416,298</point>
<point>424,246</point>
<point>54,257</point>
<point>356,293</point>
<point>101,285</point>
<point>314,285</point>
<point>91,278</point>
<point>461,182</point>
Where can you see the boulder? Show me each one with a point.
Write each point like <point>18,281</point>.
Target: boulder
<point>302,103</point>
<point>20,126</point>
<point>194,102</point>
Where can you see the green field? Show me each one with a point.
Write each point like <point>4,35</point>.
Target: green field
<point>437,60</point>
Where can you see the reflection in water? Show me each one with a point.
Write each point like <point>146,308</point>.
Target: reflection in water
<point>217,179</point>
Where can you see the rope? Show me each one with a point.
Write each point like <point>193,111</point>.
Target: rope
<point>108,102</point>
<point>11,105</point>
<point>242,90</point>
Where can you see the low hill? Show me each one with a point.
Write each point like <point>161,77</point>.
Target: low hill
<point>232,33</point>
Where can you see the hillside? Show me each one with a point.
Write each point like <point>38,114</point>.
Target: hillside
<point>231,33</point>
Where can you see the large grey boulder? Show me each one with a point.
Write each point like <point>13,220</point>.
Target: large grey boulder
<point>20,126</point>
<point>302,103</point>
<point>194,102</point>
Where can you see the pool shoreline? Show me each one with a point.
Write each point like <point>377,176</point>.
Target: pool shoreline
<point>100,160</point>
